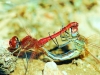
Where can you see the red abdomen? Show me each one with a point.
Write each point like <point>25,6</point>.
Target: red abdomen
<point>73,25</point>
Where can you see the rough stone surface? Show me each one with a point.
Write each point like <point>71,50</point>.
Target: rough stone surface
<point>7,61</point>
<point>51,68</point>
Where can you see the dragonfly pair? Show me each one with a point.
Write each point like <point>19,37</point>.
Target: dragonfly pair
<point>72,38</point>
<point>27,43</point>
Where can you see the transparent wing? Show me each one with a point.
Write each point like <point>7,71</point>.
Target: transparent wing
<point>93,50</point>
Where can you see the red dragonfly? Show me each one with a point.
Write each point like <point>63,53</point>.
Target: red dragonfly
<point>31,43</point>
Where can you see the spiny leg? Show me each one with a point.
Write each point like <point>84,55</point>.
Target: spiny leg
<point>16,51</point>
<point>57,44</point>
<point>65,36</point>
<point>53,39</point>
<point>26,67</point>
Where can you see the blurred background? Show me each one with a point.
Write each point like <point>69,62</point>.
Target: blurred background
<point>43,16</point>
<point>38,17</point>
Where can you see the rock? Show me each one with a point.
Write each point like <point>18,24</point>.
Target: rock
<point>7,61</point>
<point>50,68</point>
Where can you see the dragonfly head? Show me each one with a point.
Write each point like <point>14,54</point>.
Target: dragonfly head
<point>74,30</point>
<point>14,42</point>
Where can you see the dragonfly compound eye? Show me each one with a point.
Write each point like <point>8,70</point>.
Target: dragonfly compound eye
<point>14,42</point>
